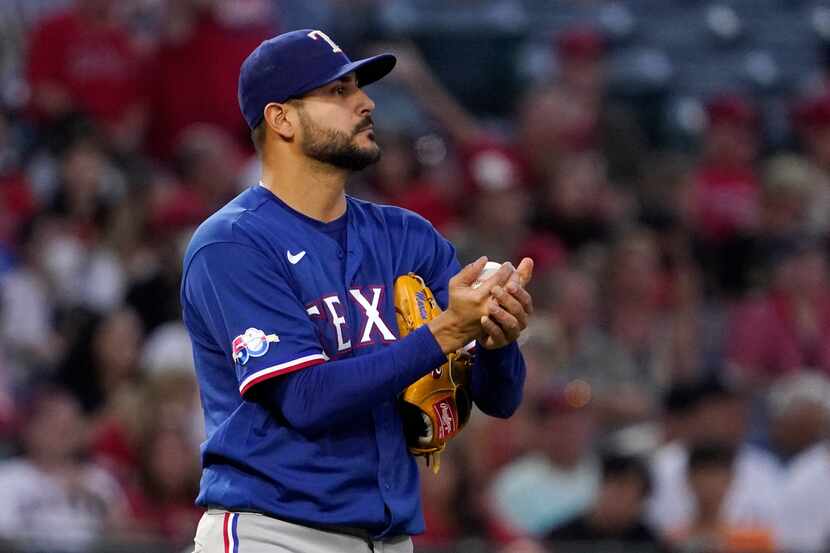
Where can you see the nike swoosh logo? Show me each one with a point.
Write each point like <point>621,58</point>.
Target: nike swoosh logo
<point>294,258</point>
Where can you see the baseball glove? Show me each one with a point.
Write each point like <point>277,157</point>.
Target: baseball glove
<point>435,407</point>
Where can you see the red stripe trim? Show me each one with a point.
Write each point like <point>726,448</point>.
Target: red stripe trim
<point>225,533</point>
<point>265,377</point>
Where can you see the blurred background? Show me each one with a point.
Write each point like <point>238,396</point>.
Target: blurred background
<point>665,162</point>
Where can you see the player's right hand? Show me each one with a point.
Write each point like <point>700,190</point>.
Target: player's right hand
<point>510,309</point>
<point>461,322</point>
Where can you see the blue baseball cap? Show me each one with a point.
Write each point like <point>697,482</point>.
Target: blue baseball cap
<point>291,64</point>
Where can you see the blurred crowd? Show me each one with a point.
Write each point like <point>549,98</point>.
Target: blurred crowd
<point>678,391</point>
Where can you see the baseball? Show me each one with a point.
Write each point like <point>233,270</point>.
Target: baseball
<point>489,268</point>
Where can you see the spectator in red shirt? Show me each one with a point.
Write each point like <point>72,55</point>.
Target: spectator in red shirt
<point>192,77</point>
<point>82,61</point>
<point>788,327</point>
<point>726,195</point>
<point>581,55</point>
<point>208,162</point>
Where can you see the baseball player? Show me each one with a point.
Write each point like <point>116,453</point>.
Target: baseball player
<point>286,295</point>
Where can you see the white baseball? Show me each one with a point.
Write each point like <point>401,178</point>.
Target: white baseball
<point>489,268</point>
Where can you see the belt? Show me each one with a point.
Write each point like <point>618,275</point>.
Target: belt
<point>361,533</point>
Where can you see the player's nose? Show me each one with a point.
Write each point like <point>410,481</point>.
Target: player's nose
<point>365,104</point>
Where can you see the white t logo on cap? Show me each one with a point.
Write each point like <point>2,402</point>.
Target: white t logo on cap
<point>334,47</point>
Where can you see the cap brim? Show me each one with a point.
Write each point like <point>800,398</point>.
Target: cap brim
<point>368,70</point>
<point>374,68</point>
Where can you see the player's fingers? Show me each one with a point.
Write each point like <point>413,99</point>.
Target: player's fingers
<point>525,270</point>
<point>468,275</point>
<point>511,325</point>
<point>497,279</point>
<point>521,295</point>
<point>514,280</point>
<point>508,302</point>
<point>515,287</point>
<point>494,331</point>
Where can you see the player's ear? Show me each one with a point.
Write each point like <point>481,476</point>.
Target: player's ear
<point>276,117</point>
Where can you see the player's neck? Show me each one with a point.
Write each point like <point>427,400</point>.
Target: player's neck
<point>313,190</point>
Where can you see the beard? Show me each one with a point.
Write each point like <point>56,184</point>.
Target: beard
<point>337,148</point>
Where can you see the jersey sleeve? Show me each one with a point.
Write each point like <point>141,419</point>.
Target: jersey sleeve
<point>248,308</point>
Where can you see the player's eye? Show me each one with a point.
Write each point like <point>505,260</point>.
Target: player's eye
<point>340,90</point>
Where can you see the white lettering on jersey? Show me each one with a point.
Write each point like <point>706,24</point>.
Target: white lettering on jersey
<point>372,314</point>
<point>338,321</point>
<point>313,311</point>
<point>334,47</point>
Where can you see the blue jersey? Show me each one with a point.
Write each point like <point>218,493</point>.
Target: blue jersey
<point>267,292</point>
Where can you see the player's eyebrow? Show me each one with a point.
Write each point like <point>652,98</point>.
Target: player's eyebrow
<point>347,79</point>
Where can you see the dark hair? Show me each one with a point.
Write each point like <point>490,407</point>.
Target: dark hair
<point>711,455</point>
<point>620,465</point>
<point>715,387</point>
<point>681,398</point>
<point>258,137</point>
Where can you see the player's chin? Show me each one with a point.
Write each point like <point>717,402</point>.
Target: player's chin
<point>360,157</point>
<point>368,147</point>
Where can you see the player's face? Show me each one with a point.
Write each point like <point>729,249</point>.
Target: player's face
<point>337,127</point>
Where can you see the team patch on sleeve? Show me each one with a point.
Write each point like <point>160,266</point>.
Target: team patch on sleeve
<point>254,343</point>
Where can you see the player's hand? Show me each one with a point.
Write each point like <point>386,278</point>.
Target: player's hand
<point>461,322</point>
<point>509,308</point>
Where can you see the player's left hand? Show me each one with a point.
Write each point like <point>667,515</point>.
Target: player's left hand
<point>509,308</point>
